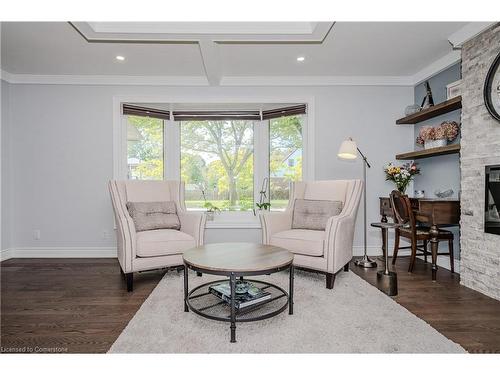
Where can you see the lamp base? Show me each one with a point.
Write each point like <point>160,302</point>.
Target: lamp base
<point>365,262</point>
<point>387,282</point>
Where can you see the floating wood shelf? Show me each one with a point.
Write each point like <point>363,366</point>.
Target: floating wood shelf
<point>445,150</point>
<point>437,110</point>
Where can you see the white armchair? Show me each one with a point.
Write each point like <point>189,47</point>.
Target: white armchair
<point>325,251</point>
<point>139,251</point>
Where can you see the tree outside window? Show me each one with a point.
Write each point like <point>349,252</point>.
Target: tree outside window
<point>144,148</point>
<point>285,158</point>
<point>217,164</point>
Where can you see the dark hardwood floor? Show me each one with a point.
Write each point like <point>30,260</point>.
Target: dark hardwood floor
<point>78,305</point>
<point>81,305</point>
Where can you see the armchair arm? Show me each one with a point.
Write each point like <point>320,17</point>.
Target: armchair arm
<point>193,223</point>
<point>125,230</point>
<point>338,241</point>
<point>274,222</point>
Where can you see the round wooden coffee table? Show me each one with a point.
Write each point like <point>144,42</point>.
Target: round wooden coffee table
<point>237,260</point>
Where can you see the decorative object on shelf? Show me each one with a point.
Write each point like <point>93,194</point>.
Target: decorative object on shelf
<point>435,143</point>
<point>431,137</point>
<point>428,101</point>
<point>349,150</point>
<point>211,210</point>
<point>453,90</point>
<point>444,193</point>
<point>402,175</point>
<point>491,91</point>
<point>431,112</point>
<point>411,109</point>
<point>419,193</point>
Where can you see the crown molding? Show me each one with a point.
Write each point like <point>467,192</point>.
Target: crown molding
<point>64,79</point>
<point>412,80</point>
<point>316,81</point>
<point>437,66</point>
<point>466,33</point>
<point>202,80</point>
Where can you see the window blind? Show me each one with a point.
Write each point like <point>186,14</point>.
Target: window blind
<point>215,115</point>
<point>284,111</point>
<point>129,109</point>
<point>134,110</point>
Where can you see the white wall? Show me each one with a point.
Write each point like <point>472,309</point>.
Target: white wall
<point>5,166</point>
<point>61,152</point>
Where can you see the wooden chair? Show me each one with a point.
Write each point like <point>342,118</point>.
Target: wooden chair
<point>403,214</point>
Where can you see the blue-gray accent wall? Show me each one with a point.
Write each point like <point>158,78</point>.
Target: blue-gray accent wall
<point>439,172</point>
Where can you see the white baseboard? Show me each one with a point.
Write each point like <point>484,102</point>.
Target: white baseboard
<point>358,251</point>
<point>5,254</point>
<point>106,252</point>
<point>110,252</point>
<point>59,252</point>
<point>376,251</point>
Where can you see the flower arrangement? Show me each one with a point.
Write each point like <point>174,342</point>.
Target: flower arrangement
<point>446,132</point>
<point>402,175</point>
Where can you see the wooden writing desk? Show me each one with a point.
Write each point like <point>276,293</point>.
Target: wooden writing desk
<point>438,213</point>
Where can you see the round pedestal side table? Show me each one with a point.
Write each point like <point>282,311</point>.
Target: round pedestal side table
<point>387,281</point>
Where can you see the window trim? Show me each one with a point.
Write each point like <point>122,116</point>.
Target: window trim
<point>172,143</point>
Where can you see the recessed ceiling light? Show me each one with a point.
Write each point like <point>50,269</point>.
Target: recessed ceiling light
<point>120,58</point>
<point>300,58</point>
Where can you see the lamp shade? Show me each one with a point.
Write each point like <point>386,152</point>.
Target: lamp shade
<point>348,150</point>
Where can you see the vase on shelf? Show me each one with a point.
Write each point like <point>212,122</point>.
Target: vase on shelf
<point>435,143</point>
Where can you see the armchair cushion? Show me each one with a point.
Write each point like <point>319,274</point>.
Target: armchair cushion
<point>300,241</point>
<point>154,215</point>
<point>314,214</point>
<point>160,242</point>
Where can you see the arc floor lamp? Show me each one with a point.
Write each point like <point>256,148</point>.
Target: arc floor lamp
<point>349,150</point>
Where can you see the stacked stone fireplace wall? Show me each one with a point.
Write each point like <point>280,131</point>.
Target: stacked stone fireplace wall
<point>480,252</point>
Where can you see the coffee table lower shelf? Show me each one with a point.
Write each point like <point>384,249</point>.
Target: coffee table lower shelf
<point>200,301</point>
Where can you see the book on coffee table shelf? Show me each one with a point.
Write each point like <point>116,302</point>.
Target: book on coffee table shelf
<point>246,294</point>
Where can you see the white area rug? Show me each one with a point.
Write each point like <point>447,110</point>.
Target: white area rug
<point>354,317</point>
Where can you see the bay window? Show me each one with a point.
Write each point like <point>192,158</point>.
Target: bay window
<point>229,160</point>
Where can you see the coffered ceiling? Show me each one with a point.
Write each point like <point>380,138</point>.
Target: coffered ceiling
<point>215,52</point>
